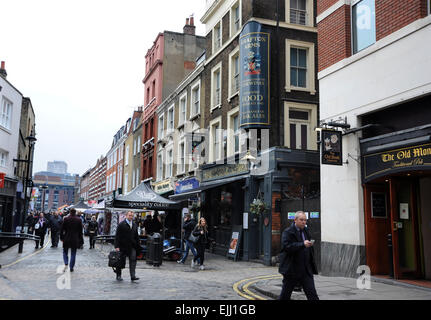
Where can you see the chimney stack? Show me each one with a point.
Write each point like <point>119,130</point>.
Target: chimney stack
<point>3,72</point>
<point>189,28</point>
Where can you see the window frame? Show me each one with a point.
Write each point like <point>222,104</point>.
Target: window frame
<point>170,129</point>
<point>192,102</point>
<point>231,81</point>
<point>232,23</point>
<point>181,121</point>
<point>8,115</point>
<point>309,16</point>
<point>181,167</point>
<point>312,123</point>
<point>3,159</point>
<point>219,26</point>
<point>160,166</point>
<point>216,69</point>
<point>212,152</point>
<point>311,66</point>
<point>169,165</point>
<point>231,133</point>
<point>352,28</point>
<point>161,127</point>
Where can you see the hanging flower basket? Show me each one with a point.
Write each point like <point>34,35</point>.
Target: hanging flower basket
<point>258,206</point>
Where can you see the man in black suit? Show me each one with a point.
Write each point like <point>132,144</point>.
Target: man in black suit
<point>127,242</point>
<point>297,259</point>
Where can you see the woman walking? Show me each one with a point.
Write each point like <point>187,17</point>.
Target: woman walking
<point>201,231</point>
<point>93,227</point>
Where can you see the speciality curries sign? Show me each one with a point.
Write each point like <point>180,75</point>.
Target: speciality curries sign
<point>254,106</point>
<point>399,160</point>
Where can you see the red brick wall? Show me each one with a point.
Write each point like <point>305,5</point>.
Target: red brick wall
<point>392,15</point>
<point>322,5</point>
<point>334,38</point>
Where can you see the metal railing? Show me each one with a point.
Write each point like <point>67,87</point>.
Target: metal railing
<point>9,239</point>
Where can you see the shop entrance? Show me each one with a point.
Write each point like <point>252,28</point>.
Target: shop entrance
<point>398,207</point>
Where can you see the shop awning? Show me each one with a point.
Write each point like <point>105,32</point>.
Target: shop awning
<point>205,186</point>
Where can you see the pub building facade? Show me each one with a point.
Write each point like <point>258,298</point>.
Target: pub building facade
<point>376,209</point>
<point>274,159</point>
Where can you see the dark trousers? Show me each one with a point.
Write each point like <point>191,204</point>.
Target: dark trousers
<point>72,257</point>
<point>132,263</point>
<point>92,241</point>
<point>55,237</point>
<point>307,282</point>
<point>200,248</point>
<point>42,239</point>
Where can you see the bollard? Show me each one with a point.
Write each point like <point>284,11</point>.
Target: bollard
<point>21,244</point>
<point>391,257</point>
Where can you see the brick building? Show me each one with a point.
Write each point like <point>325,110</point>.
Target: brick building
<point>97,183</point>
<point>374,67</point>
<point>172,56</point>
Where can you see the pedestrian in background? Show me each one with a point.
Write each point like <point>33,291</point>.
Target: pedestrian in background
<point>201,231</point>
<point>55,225</point>
<point>40,227</point>
<point>71,235</point>
<point>30,221</point>
<point>93,227</point>
<point>127,242</point>
<point>297,263</point>
<point>188,227</point>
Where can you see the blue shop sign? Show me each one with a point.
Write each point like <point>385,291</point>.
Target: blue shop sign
<point>254,106</point>
<point>186,185</point>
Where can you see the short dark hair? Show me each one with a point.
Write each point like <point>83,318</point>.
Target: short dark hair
<point>73,211</point>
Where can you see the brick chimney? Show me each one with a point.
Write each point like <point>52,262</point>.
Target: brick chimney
<point>190,28</point>
<point>3,72</point>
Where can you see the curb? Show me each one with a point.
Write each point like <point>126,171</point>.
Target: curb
<point>394,282</point>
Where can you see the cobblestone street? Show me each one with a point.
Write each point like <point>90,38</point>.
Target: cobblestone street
<point>35,277</point>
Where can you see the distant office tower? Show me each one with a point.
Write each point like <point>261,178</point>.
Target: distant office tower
<point>57,167</point>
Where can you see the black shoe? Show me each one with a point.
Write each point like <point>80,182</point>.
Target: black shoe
<point>135,279</point>
<point>36,247</point>
<point>119,278</point>
<point>71,270</point>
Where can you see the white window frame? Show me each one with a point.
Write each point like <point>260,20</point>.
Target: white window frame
<point>231,133</point>
<point>134,147</point>
<point>160,166</point>
<point>312,123</point>
<point>232,30</point>
<point>133,179</point>
<point>311,68</point>
<point>126,182</point>
<point>170,128</point>
<point>195,87</point>
<point>181,167</point>
<point>212,145</point>
<point>218,25</point>
<point>309,15</point>
<point>169,162</point>
<point>182,120</point>
<point>6,111</point>
<point>231,81</point>
<point>4,158</point>
<point>126,159</point>
<point>138,145</point>
<point>160,127</point>
<point>352,24</point>
<point>214,70</point>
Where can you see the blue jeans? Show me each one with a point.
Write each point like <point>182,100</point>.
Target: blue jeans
<point>72,257</point>
<point>189,245</point>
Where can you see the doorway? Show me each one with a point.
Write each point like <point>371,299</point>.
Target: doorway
<point>398,226</point>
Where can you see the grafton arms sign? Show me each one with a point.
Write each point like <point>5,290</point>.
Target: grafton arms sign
<point>399,160</point>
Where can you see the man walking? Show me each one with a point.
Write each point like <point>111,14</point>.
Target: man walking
<point>71,235</point>
<point>93,227</point>
<point>127,242</point>
<point>40,227</point>
<point>188,227</point>
<point>55,225</point>
<point>297,263</point>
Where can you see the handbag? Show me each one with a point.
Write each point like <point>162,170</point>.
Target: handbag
<point>193,238</point>
<point>37,226</point>
<point>114,259</point>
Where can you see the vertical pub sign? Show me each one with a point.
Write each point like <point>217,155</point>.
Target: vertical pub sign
<point>254,76</point>
<point>332,147</point>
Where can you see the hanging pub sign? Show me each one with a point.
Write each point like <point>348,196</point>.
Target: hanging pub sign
<point>399,160</point>
<point>332,147</point>
<point>254,106</point>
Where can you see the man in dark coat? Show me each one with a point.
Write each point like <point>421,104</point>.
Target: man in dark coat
<point>188,226</point>
<point>40,227</point>
<point>55,225</point>
<point>297,263</point>
<point>71,235</point>
<point>127,242</point>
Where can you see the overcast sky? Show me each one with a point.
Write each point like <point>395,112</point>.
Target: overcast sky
<point>81,63</point>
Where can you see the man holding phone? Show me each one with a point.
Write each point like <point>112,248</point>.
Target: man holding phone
<point>297,263</point>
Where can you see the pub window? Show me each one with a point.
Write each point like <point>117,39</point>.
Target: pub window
<point>298,12</point>
<point>299,123</point>
<point>298,67</point>
<point>300,70</point>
